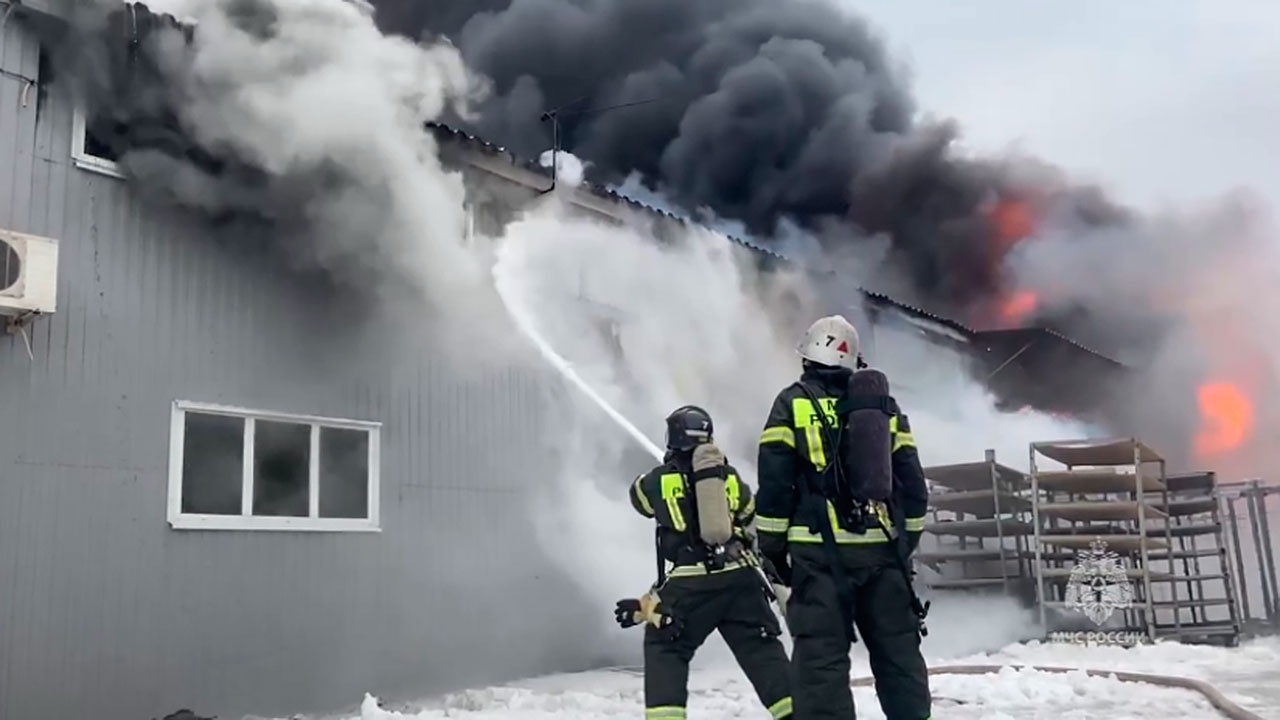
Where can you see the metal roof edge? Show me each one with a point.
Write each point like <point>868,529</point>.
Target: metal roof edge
<point>52,8</point>
<point>979,334</point>
<point>918,312</point>
<point>596,189</point>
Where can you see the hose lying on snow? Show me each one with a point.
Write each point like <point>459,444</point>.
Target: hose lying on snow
<point>1210,693</point>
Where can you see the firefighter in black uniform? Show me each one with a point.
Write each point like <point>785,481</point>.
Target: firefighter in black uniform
<point>845,559</point>
<point>707,574</point>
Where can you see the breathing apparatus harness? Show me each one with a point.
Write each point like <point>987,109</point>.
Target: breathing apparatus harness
<point>854,513</point>
<point>710,531</point>
<point>705,490</point>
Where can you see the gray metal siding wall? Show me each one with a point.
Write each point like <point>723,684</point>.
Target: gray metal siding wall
<point>105,612</point>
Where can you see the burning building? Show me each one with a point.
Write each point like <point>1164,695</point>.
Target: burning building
<point>226,485</point>
<point>167,340</point>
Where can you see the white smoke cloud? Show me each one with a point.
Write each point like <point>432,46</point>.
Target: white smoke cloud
<point>652,326</point>
<point>331,112</point>
<point>570,169</point>
<point>656,327</point>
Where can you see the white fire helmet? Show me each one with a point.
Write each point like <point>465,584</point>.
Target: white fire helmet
<point>832,341</point>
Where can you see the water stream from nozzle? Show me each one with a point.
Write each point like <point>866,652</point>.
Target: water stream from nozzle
<point>526,326</point>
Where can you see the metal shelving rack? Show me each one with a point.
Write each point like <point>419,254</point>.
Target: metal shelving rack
<point>1205,573</point>
<point>1106,493</point>
<point>1254,550</point>
<point>982,509</point>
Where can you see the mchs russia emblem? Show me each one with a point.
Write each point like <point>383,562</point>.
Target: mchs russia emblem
<point>1099,584</point>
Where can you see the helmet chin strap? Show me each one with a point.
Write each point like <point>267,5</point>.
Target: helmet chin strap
<point>821,366</point>
<point>683,455</point>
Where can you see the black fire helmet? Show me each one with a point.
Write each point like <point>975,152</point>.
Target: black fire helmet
<point>687,428</point>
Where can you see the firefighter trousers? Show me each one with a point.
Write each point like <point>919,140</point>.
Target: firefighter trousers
<point>886,626</point>
<point>733,603</point>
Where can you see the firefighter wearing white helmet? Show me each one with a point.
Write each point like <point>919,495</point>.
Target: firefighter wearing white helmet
<point>831,341</point>
<point>840,508</point>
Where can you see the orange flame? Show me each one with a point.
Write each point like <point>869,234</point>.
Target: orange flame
<point>1014,220</point>
<point>1227,399</point>
<point>1018,306</point>
<point>1226,419</point>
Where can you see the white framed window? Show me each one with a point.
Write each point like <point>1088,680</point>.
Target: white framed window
<point>237,469</point>
<point>89,152</point>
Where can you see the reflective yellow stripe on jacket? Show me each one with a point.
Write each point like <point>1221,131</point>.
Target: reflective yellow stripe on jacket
<point>672,494</point>
<point>700,569</point>
<point>785,436</point>
<point>873,536</point>
<point>734,492</point>
<point>900,439</point>
<point>673,491</point>
<point>772,525</point>
<point>637,491</point>
<point>809,423</point>
<point>904,439</point>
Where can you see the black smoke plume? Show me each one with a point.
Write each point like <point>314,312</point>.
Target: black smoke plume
<point>761,111</point>
<point>792,114</point>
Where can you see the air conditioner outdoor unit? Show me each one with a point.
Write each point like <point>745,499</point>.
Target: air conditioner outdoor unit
<point>28,274</point>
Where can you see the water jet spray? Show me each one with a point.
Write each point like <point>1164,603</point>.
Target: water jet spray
<point>526,327</point>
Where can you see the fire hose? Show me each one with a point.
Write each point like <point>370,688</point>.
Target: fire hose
<point>1215,697</point>
<point>1229,709</point>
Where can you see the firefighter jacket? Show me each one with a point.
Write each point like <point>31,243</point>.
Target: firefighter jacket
<point>665,494</point>
<point>793,450</point>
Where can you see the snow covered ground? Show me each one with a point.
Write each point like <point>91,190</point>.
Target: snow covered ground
<point>1249,675</point>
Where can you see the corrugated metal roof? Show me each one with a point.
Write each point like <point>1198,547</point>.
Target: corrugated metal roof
<point>1081,346</point>
<point>918,312</point>
<point>602,191</point>
<point>1031,332</point>
<point>595,188</point>
<point>609,193</point>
